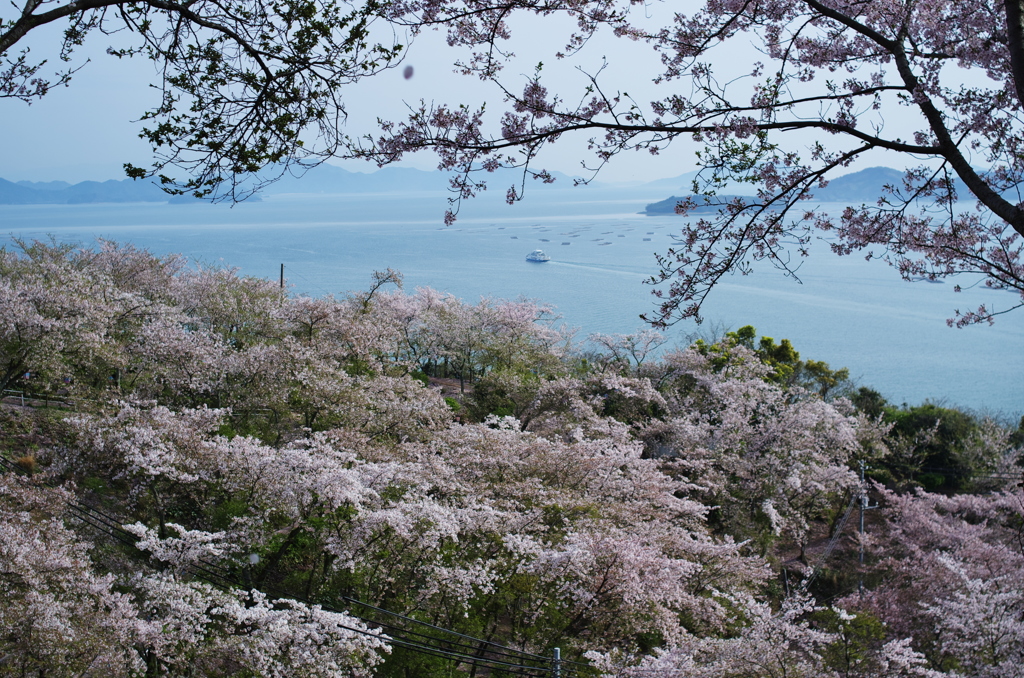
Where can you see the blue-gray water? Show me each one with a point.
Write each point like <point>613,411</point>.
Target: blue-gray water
<point>891,334</point>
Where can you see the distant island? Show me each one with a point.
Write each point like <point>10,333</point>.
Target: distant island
<point>865,186</point>
<point>702,204</point>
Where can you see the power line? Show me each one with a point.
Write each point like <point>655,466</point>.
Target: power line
<point>834,541</point>
<point>519,663</point>
<point>438,628</point>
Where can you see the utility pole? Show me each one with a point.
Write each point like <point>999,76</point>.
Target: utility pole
<point>558,663</point>
<point>864,506</point>
<point>282,276</point>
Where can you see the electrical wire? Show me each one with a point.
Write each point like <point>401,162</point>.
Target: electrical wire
<point>438,628</point>
<point>223,579</point>
<point>521,670</point>
<point>501,651</point>
<point>834,541</point>
<point>839,529</point>
<point>516,654</point>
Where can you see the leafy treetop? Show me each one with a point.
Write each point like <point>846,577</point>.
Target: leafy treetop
<point>244,84</point>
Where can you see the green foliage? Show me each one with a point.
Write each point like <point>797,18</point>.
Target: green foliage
<point>647,642</point>
<point>942,449</point>
<point>1017,437</point>
<point>939,434</point>
<point>226,511</point>
<point>858,640</point>
<point>502,393</point>
<point>932,482</point>
<point>818,376</point>
<point>629,410</point>
<point>405,663</point>
<point>94,484</point>
<point>560,519</point>
<point>227,430</point>
<point>744,336</point>
<point>263,95</point>
<point>869,401</point>
<point>783,359</point>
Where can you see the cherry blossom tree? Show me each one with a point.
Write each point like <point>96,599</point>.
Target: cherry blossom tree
<point>595,547</point>
<point>771,461</point>
<point>949,570</point>
<point>632,511</point>
<point>242,309</point>
<point>168,361</point>
<point>771,643</point>
<point>58,616</point>
<point>65,309</point>
<point>482,528</point>
<point>827,83</point>
<point>197,629</point>
<point>630,350</point>
<point>494,335</point>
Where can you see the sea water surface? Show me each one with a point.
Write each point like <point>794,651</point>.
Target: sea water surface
<point>891,334</point>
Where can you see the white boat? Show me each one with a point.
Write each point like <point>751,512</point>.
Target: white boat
<point>537,255</point>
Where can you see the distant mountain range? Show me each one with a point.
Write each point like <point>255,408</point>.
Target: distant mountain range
<point>322,179</point>
<point>865,186</point>
<point>63,193</point>
<point>858,187</point>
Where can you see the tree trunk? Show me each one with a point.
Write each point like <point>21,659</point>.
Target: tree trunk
<point>1015,43</point>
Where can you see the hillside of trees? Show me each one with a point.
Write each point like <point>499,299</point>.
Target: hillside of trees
<point>204,475</point>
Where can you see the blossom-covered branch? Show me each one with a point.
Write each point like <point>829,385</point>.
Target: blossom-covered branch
<point>838,78</point>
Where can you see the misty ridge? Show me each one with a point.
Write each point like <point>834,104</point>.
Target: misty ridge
<point>325,179</point>
<point>862,186</point>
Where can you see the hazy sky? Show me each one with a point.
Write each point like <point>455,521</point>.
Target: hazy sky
<point>86,131</point>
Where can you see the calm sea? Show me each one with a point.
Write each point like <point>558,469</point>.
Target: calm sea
<point>891,334</point>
